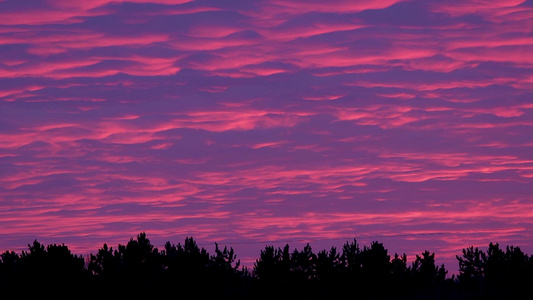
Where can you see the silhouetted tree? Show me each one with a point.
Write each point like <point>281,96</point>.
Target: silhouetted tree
<point>328,267</point>
<point>399,275</point>
<point>426,276</point>
<point>33,262</point>
<point>8,268</point>
<point>496,273</point>
<point>302,271</point>
<point>273,264</point>
<point>266,267</point>
<point>224,270</point>
<point>471,269</point>
<point>139,269</point>
<point>272,269</point>
<point>186,267</point>
<point>303,264</point>
<point>506,271</point>
<point>352,260</point>
<point>50,268</point>
<point>105,264</point>
<point>281,272</point>
<point>136,266</point>
<point>225,260</point>
<point>375,270</point>
<point>375,261</point>
<point>141,263</point>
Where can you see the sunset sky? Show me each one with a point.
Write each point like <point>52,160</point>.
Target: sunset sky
<point>265,122</point>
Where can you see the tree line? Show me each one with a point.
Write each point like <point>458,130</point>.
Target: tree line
<point>187,270</point>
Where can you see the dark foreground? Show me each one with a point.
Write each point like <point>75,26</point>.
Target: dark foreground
<point>138,269</point>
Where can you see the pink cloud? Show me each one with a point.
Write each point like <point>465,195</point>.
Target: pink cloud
<point>306,31</point>
<point>519,54</point>
<point>342,6</point>
<point>87,6</point>
<point>475,7</point>
<point>37,17</point>
<point>236,120</point>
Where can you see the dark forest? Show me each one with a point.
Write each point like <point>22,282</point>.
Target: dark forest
<point>189,271</point>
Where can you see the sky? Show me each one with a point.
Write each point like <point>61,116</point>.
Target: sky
<point>250,123</point>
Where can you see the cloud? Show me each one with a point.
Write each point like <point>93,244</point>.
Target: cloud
<point>476,7</point>
<point>268,120</point>
<point>341,6</point>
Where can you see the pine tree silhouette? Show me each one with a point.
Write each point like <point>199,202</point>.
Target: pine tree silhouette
<point>139,269</point>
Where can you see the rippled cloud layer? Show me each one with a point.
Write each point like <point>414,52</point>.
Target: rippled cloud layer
<point>410,122</point>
